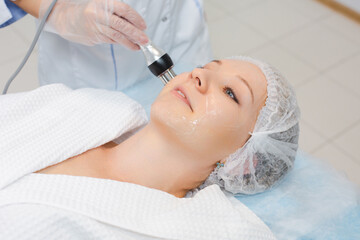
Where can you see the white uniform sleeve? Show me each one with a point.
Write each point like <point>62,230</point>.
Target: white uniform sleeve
<point>5,13</point>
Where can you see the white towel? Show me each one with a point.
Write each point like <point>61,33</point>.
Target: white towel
<point>53,123</point>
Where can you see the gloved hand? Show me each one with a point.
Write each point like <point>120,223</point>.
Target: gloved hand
<point>91,22</point>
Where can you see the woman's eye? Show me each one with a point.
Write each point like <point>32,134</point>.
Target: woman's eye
<point>228,91</point>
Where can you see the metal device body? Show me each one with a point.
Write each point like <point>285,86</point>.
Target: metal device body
<point>159,62</point>
<point>167,76</point>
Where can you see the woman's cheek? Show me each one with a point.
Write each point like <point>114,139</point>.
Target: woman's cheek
<point>227,128</point>
<point>218,133</point>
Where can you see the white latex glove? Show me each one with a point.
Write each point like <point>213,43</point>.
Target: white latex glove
<point>91,22</point>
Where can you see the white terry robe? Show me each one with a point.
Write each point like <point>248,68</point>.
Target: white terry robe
<point>53,123</point>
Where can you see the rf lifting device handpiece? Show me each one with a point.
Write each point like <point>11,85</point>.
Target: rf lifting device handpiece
<point>159,62</point>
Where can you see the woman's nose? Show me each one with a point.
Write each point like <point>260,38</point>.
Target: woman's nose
<point>200,79</point>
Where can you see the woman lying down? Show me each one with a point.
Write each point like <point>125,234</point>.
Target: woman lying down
<point>86,164</point>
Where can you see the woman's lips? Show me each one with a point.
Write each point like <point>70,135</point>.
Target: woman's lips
<point>179,93</point>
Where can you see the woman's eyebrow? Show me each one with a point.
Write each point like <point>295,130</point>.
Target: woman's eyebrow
<point>217,61</point>
<point>239,77</point>
<point>247,84</point>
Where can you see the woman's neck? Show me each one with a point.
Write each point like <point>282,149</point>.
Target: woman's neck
<point>147,158</point>
<point>152,160</point>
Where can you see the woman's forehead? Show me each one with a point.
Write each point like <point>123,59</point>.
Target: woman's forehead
<point>238,67</point>
<point>243,67</point>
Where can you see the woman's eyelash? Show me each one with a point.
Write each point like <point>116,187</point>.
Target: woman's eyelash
<point>227,90</point>
<point>230,92</point>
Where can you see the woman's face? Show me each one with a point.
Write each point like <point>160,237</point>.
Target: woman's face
<point>211,110</point>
